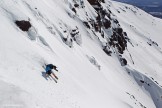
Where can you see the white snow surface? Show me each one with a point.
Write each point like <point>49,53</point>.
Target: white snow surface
<point>88,77</point>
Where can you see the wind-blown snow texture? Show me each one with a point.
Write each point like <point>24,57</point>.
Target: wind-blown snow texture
<point>108,55</point>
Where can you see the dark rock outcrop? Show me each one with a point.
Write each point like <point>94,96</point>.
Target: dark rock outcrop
<point>23,25</point>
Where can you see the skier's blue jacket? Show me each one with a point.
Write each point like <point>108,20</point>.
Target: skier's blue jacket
<point>49,67</point>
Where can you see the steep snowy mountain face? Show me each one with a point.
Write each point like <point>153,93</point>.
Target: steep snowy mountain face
<point>142,2</point>
<point>108,54</point>
<point>154,7</point>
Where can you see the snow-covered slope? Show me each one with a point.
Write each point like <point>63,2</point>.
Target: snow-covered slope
<point>108,55</point>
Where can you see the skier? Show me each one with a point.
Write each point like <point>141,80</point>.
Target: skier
<point>49,68</point>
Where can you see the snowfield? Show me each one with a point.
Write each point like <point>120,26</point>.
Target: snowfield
<point>62,32</point>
